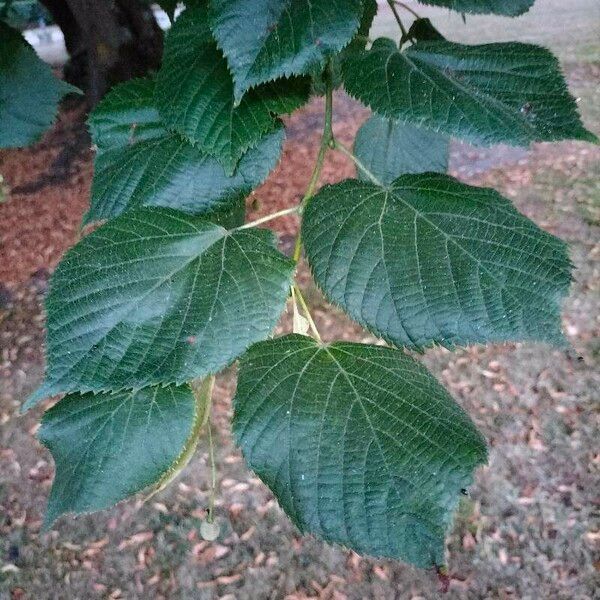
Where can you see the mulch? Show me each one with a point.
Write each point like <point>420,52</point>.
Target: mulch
<point>48,185</point>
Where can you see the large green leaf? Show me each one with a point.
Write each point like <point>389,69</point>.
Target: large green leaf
<point>109,446</point>
<point>140,163</point>
<point>509,8</point>
<point>389,149</point>
<point>29,93</point>
<point>359,443</point>
<point>286,37</point>
<point>431,260</point>
<point>508,92</point>
<point>194,94</point>
<point>156,296</point>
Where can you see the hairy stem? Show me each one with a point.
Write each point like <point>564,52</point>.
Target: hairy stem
<point>339,146</point>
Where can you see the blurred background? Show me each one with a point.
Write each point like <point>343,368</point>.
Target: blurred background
<point>531,525</point>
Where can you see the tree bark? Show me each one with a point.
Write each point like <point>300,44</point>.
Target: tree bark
<point>108,41</point>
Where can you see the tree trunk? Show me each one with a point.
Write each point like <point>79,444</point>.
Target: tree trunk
<point>108,41</point>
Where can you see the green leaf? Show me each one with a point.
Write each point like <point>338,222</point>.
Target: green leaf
<point>360,444</point>
<point>509,8</point>
<point>29,93</point>
<point>358,42</point>
<point>140,163</point>
<point>286,37</point>
<point>172,173</point>
<point>107,447</point>
<point>156,296</point>
<point>432,260</point>
<point>126,116</point>
<point>194,94</point>
<point>508,92</point>
<point>389,149</point>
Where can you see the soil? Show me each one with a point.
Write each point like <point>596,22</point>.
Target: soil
<point>530,527</point>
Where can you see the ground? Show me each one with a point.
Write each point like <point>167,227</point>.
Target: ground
<point>530,528</point>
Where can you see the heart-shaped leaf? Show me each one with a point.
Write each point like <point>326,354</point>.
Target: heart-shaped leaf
<point>287,37</point>
<point>107,447</point>
<point>194,94</point>
<point>431,260</point>
<point>507,92</point>
<point>156,296</point>
<point>359,444</point>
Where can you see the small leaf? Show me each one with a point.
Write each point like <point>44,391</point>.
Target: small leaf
<point>422,30</point>
<point>507,92</point>
<point>29,93</point>
<point>107,447</point>
<point>431,260</point>
<point>359,444</point>
<point>508,8</point>
<point>286,37</point>
<point>126,116</point>
<point>389,149</point>
<point>140,163</point>
<point>156,296</point>
<point>194,94</point>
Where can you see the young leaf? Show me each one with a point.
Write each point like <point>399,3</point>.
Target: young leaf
<point>140,163</point>
<point>359,444</point>
<point>508,8</point>
<point>389,149</point>
<point>286,37</point>
<point>506,92</point>
<point>107,447</point>
<point>156,296</point>
<point>194,94</point>
<point>431,260</point>
<point>29,93</point>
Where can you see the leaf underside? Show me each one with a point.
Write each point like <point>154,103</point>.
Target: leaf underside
<point>360,444</point>
<point>108,446</point>
<point>286,37</point>
<point>429,260</point>
<point>155,296</point>
<point>389,149</point>
<point>486,94</point>
<point>29,93</point>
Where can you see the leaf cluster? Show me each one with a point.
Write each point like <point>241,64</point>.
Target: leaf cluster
<point>359,442</point>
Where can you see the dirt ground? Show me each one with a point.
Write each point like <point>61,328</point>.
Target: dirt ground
<point>530,528</point>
